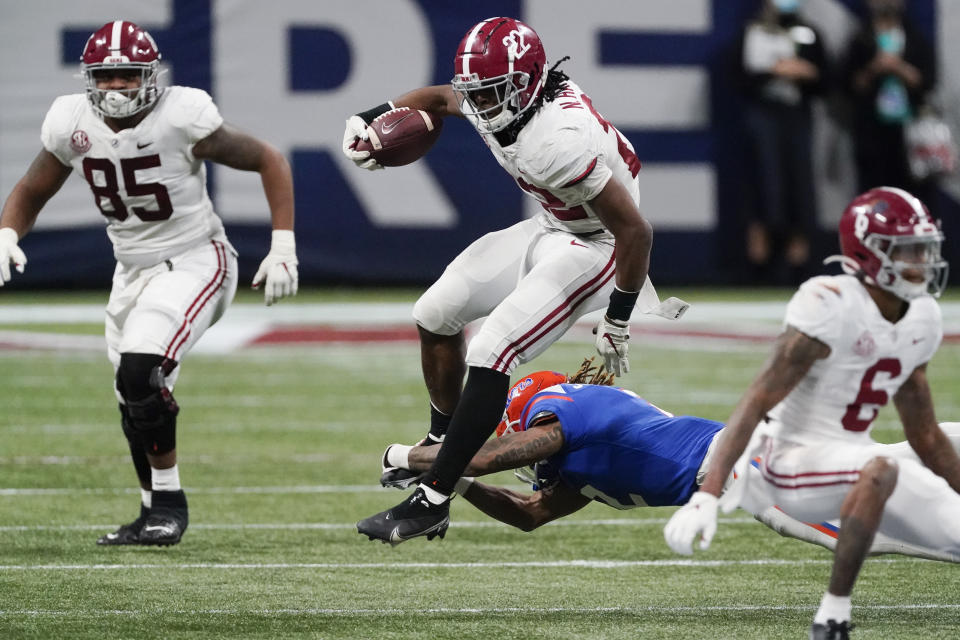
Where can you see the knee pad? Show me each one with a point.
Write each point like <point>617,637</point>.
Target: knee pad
<point>151,411</point>
<point>137,374</point>
<point>154,420</point>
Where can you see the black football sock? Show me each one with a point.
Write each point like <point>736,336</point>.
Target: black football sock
<point>475,418</point>
<point>439,423</point>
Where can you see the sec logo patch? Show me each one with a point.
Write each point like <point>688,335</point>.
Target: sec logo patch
<point>79,141</point>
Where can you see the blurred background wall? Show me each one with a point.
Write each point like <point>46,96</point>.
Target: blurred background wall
<point>291,71</point>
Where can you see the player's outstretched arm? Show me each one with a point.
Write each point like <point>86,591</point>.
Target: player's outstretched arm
<point>439,100</point>
<point>915,405</point>
<point>512,451</point>
<point>793,355</point>
<point>234,148</point>
<point>42,180</point>
<point>521,510</point>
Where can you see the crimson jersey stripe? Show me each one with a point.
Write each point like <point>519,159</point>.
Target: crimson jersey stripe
<point>583,176</point>
<point>199,302</point>
<point>567,307</point>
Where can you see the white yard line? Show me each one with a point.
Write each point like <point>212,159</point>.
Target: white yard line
<point>451,610</point>
<point>339,566</point>
<point>337,526</point>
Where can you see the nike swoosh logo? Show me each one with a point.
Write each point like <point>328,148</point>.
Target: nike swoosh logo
<point>577,244</point>
<point>144,146</point>
<point>390,126</point>
<point>916,340</point>
<point>161,527</point>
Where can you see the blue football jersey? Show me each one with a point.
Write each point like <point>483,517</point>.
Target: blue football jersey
<point>621,450</point>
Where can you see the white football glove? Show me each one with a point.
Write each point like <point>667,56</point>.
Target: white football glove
<point>10,252</point>
<point>699,516</point>
<point>612,336</point>
<point>355,131</point>
<point>279,268</point>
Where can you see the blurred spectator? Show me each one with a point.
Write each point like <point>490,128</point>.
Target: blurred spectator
<point>781,66</point>
<point>889,69</point>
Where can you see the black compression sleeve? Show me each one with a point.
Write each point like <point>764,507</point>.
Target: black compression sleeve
<point>475,418</point>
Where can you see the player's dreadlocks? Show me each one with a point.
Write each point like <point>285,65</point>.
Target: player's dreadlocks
<point>554,83</point>
<point>589,374</point>
<point>551,89</point>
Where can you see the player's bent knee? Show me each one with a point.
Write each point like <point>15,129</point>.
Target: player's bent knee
<point>881,474</point>
<point>429,316</point>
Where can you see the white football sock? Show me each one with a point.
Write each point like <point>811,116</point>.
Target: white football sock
<point>434,496</point>
<point>165,479</point>
<point>146,497</point>
<point>398,455</point>
<point>833,608</point>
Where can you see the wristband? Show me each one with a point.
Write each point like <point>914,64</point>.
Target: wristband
<point>463,485</point>
<point>621,304</point>
<point>283,240</point>
<point>371,114</point>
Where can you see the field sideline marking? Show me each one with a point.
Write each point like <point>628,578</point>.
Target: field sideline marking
<point>448,610</point>
<point>619,522</point>
<point>546,564</point>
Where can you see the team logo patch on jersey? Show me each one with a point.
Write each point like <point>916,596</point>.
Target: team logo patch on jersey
<point>865,346</point>
<point>80,141</point>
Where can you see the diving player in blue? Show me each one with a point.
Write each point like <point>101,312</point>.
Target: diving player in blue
<point>586,441</point>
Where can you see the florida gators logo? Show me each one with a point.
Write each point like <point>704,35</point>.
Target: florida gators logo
<point>79,141</point>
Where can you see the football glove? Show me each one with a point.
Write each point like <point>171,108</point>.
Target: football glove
<point>355,131</point>
<point>10,252</point>
<point>697,517</point>
<point>279,268</point>
<point>612,336</point>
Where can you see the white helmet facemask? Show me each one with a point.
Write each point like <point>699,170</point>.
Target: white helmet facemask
<point>891,276</point>
<point>114,103</point>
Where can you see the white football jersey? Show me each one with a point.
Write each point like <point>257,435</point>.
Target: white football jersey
<point>145,180</point>
<point>563,158</point>
<point>869,359</point>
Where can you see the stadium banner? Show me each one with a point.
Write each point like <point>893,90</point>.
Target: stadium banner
<point>290,72</point>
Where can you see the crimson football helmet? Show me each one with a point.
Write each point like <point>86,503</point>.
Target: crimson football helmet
<point>121,46</point>
<point>520,394</point>
<point>504,59</point>
<point>887,231</point>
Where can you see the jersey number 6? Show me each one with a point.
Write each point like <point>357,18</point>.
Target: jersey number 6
<point>870,396</point>
<point>111,192</point>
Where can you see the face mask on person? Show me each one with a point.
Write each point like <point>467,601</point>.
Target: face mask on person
<point>891,41</point>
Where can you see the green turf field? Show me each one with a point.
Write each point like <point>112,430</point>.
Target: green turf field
<point>280,456</point>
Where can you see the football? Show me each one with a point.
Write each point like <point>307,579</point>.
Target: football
<point>400,136</point>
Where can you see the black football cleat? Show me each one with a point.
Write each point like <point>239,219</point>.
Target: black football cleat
<point>833,630</point>
<point>127,534</point>
<point>167,521</point>
<point>413,517</point>
<point>399,478</point>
